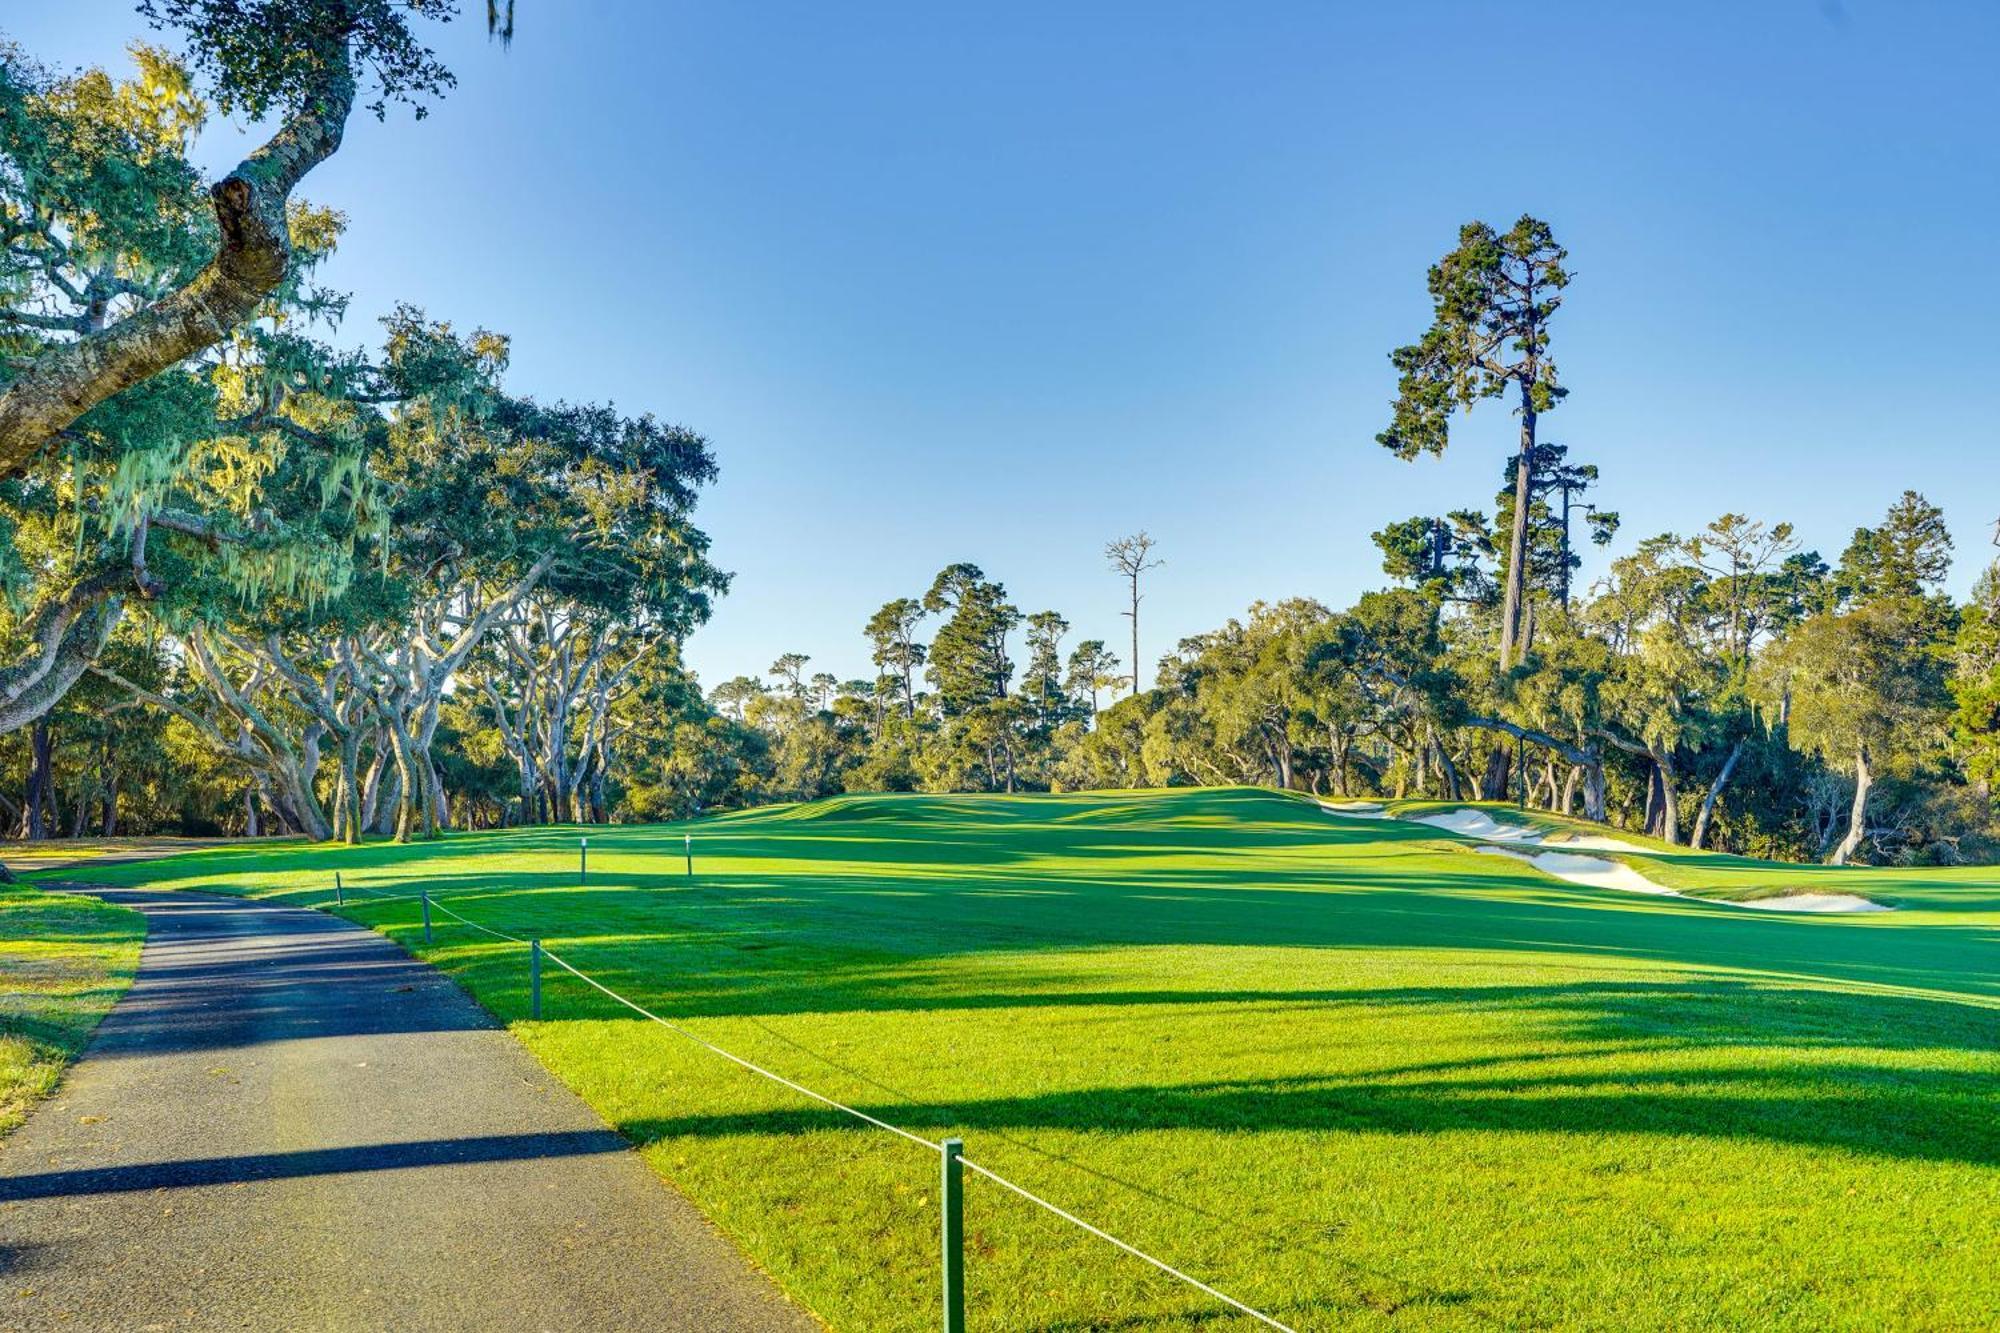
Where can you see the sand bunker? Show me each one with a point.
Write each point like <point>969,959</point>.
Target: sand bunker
<point>1593,872</point>
<point>1354,809</point>
<point>1595,842</point>
<point>1597,873</point>
<point>1815,902</point>
<point>1479,824</point>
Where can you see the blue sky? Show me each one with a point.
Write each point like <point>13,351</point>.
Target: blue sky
<point>943,284</point>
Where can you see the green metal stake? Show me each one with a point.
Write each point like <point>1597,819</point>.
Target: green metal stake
<point>582,860</point>
<point>339,895</point>
<point>953,1198</point>
<point>687,841</point>
<point>425,894</point>
<point>535,979</point>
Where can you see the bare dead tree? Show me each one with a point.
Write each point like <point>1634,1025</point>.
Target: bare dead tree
<point>1130,557</point>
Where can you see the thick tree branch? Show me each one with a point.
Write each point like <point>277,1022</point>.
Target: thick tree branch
<point>67,636</point>
<point>191,526</point>
<point>250,209</point>
<point>1575,754</point>
<point>1619,742</point>
<point>204,728</point>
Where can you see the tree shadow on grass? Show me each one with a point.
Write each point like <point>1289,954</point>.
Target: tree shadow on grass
<point>1871,1073</point>
<point>950,914</point>
<point>1872,1110</point>
<point>896,922</point>
<point>245,1168</point>
<point>954,876</point>
<point>1850,1106</point>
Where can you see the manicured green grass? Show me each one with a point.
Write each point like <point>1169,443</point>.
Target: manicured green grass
<point>1343,1069</point>
<point>64,961</point>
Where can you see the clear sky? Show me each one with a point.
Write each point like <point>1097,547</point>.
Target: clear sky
<point>999,284</point>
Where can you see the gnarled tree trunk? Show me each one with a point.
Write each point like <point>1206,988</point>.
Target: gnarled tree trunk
<point>1857,818</point>
<point>1699,837</point>
<point>65,637</point>
<point>1589,761</point>
<point>41,777</point>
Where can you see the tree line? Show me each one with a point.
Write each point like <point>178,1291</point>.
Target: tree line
<point>258,579</point>
<point>1728,689</point>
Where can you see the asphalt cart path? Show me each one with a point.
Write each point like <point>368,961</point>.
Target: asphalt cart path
<point>289,1123</point>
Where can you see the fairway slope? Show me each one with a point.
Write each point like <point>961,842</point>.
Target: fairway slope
<point>1347,1070</point>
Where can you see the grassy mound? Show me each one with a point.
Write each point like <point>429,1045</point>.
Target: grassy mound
<point>64,961</point>
<point>1344,1069</point>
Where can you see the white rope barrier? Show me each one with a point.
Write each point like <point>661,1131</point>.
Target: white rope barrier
<point>799,1088</point>
<point>822,1098</point>
<point>1133,1250</point>
<point>380,896</point>
<point>496,934</point>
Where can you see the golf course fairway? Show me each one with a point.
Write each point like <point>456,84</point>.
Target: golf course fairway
<point>1347,1070</point>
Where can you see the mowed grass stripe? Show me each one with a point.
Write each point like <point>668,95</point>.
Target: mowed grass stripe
<point>1348,1071</point>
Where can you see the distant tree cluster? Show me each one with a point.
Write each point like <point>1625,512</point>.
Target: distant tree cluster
<point>1726,690</point>
<point>956,713</point>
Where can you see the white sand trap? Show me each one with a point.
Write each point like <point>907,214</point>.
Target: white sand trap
<point>1479,824</point>
<point>1597,873</point>
<point>1354,809</point>
<point>1816,902</point>
<point>1596,842</point>
<point>1591,871</point>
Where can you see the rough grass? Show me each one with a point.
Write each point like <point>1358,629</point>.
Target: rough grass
<point>1342,1069</point>
<point>64,961</point>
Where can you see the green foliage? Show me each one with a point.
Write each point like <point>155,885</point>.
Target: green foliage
<point>1672,698</point>
<point>1555,488</point>
<point>1092,667</point>
<point>1043,680</point>
<point>1864,680</point>
<point>968,661</point>
<point>1906,557</point>
<point>896,652</point>
<point>237,476</point>
<point>1443,556</point>
<point>1492,298</point>
<point>266,55</point>
<point>1975,682</point>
